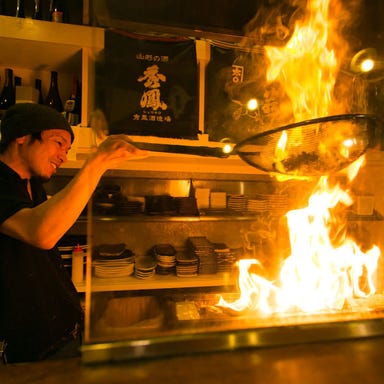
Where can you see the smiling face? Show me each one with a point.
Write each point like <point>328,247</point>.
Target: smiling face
<point>41,158</point>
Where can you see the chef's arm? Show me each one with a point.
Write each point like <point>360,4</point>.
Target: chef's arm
<point>43,225</point>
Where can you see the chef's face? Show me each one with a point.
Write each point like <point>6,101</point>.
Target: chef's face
<point>43,157</point>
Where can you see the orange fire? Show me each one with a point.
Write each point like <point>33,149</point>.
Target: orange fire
<point>306,67</point>
<point>320,274</point>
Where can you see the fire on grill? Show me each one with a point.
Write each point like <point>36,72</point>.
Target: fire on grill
<point>326,271</point>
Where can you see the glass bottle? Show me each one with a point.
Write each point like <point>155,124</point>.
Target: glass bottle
<point>7,96</point>
<point>53,98</point>
<point>37,11</point>
<point>72,106</point>
<point>20,8</point>
<point>40,99</point>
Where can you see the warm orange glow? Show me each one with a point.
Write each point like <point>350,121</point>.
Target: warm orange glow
<point>320,274</point>
<point>252,104</point>
<point>280,147</point>
<point>324,271</point>
<point>306,67</point>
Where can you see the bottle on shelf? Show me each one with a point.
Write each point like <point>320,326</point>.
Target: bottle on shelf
<point>37,11</point>
<point>57,11</point>
<point>53,98</point>
<point>40,99</point>
<point>77,264</point>
<point>7,96</point>
<point>20,8</point>
<point>72,106</point>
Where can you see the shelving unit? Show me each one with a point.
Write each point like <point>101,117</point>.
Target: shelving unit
<point>132,283</point>
<point>38,47</point>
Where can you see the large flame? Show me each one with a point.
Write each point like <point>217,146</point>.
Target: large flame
<point>306,67</point>
<point>323,272</point>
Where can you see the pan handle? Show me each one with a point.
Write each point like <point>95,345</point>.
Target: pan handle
<point>182,149</point>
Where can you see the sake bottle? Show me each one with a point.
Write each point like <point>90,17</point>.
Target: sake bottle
<point>72,106</point>
<point>53,98</point>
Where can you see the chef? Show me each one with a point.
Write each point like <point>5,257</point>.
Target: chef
<point>40,312</point>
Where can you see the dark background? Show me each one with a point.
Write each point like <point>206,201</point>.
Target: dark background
<point>363,18</point>
<point>363,25</point>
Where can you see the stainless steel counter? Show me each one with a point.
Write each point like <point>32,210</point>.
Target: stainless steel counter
<point>357,361</point>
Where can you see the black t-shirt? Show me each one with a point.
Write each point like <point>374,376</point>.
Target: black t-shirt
<point>39,306</point>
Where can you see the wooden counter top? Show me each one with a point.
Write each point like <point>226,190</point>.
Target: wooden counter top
<point>358,361</point>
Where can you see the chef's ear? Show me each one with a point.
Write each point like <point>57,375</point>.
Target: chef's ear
<point>21,139</point>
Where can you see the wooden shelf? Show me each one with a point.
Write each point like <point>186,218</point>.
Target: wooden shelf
<point>132,283</point>
<point>43,45</point>
<point>33,48</point>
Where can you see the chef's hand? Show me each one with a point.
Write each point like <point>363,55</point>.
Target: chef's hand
<point>115,149</point>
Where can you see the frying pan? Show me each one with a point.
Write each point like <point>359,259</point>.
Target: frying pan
<point>311,147</point>
<point>308,148</point>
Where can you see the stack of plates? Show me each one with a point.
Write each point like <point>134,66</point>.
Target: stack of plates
<point>276,204</point>
<point>166,258</point>
<point>203,249</point>
<point>129,208</point>
<point>187,264</point>
<point>145,267</point>
<point>237,203</point>
<point>255,206</point>
<point>113,268</point>
<point>113,260</point>
<point>225,258</point>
